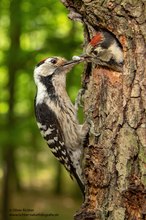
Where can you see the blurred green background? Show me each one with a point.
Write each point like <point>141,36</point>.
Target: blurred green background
<point>30,176</point>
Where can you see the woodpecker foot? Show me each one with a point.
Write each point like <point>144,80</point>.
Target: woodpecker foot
<point>78,101</point>
<point>92,127</point>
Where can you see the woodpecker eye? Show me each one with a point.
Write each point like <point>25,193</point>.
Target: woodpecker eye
<point>95,52</point>
<point>54,60</point>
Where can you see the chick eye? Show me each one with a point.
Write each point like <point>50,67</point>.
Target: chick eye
<point>54,60</point>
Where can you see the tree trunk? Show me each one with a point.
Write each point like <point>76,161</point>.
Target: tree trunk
<point>115,167</point>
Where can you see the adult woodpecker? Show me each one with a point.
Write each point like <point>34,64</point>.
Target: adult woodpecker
<point>56,116</point>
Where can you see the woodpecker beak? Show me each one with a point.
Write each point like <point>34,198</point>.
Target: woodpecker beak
<point>75,60</point>
<point>71,63</point>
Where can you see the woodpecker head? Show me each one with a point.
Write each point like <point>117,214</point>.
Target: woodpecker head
<point>54,67</point>
<point>105,50</point>
<point>94,43</point>
<point>103,40</point>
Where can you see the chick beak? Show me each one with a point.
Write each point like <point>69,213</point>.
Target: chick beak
<point>85,57</point>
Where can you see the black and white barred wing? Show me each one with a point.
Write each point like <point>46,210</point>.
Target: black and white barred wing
<point>50,130</point>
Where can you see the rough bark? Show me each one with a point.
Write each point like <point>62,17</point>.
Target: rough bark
<point>115,168</point>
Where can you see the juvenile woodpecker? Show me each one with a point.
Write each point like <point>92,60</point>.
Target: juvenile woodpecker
<point>105,50</point>
<point>56,115</point>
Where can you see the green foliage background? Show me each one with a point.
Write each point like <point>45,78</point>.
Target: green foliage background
<point>29,32</point>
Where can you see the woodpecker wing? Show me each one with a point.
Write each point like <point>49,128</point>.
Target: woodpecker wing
<point>50,130</point>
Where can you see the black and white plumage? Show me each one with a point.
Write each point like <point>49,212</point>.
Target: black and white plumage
<point>56,115</point>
